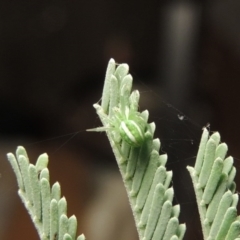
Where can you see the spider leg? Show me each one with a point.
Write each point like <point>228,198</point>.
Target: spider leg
<point>98,129</point>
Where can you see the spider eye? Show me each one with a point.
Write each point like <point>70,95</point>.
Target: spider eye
<point>132,133</point>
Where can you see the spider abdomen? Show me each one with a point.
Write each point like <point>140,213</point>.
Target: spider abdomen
<point>132,133</point>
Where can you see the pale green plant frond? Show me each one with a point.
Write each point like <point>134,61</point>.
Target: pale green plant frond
<point>213,179</point>
<point>48,210</point>
<point>137,154</point>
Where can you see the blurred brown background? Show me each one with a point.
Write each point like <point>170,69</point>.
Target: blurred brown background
<point>53,57</point>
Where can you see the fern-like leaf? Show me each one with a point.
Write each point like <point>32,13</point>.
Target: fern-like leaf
<point>142,168</point>
<point>213,180</point>
<point>47,209</point>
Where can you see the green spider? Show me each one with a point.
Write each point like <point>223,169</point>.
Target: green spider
<point>127,125</point>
